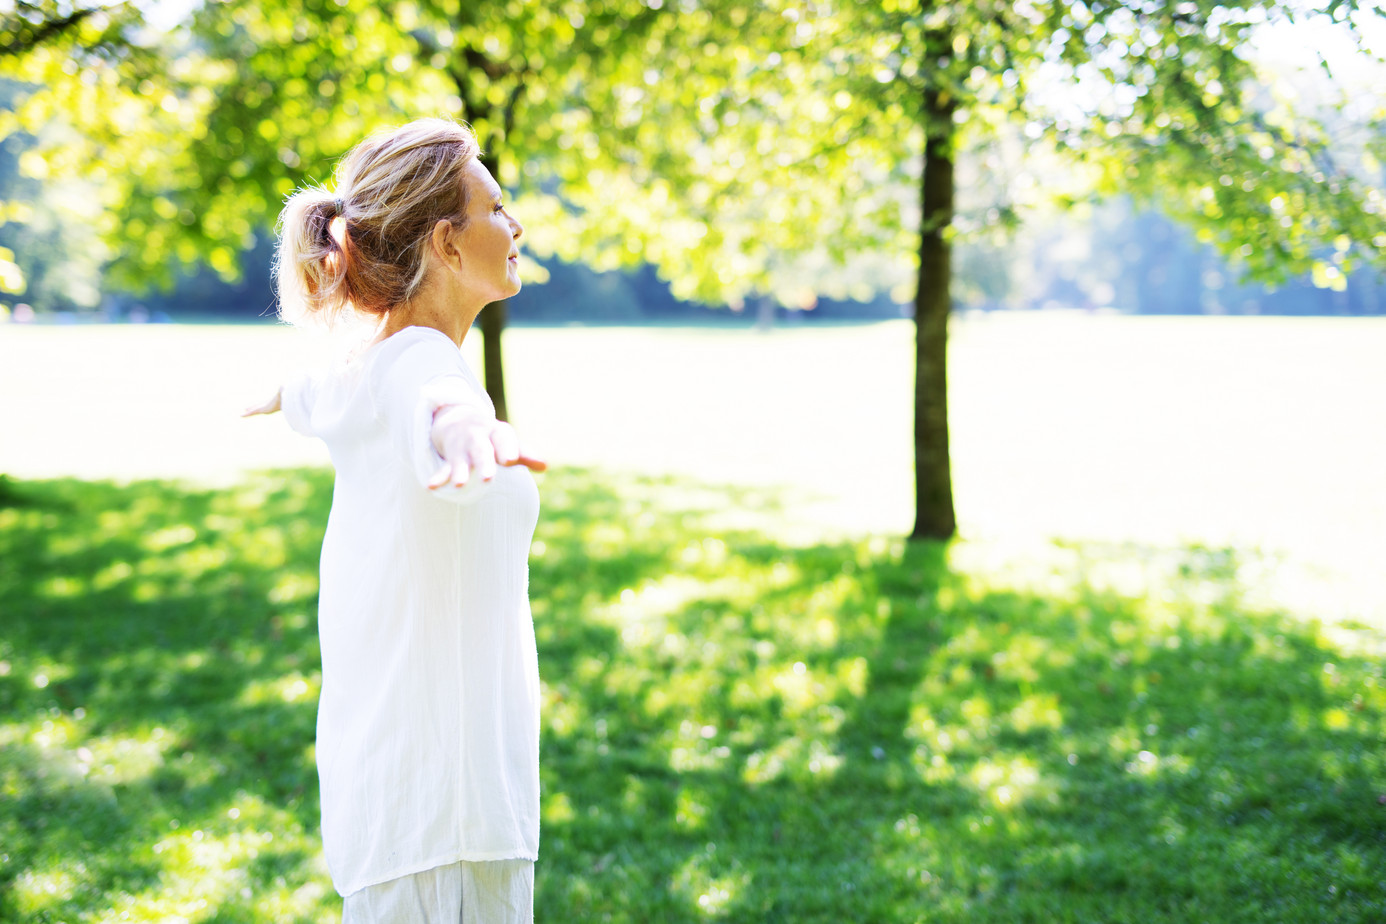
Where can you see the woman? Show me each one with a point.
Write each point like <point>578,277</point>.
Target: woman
<point>428,724</point>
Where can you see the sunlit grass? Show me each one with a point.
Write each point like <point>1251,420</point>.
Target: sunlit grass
<point>734,729</point>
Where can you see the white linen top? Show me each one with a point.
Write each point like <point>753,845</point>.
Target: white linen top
<point>428,721</point>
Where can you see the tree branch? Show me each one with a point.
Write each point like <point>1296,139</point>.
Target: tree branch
<point>19,35</point>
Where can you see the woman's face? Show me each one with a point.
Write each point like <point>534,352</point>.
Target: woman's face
<point>489,239</point>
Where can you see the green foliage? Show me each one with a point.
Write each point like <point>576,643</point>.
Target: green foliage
<point>86,29</point>
<point>740,147</point>
<point>733,730</point>
<point>249,100</point>
<point>102,112</point>
<point>54,260</point>
<point>11,276</point>
<point>1161,100</point>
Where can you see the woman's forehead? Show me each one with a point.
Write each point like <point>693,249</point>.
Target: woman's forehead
<point>481,181</point>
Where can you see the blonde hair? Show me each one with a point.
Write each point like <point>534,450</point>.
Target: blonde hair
<point>362,247</point>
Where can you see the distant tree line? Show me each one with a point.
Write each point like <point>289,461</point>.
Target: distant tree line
<point>1144,264</point>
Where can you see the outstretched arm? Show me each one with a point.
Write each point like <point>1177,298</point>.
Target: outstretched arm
<point>268,407</point>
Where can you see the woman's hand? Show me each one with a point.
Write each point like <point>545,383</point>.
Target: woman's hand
<point>471,440</point>
<point>269,407</point>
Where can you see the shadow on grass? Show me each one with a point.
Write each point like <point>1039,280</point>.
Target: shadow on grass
<point>733,730</point>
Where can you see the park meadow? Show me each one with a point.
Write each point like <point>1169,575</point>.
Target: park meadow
<point>1145,684</point>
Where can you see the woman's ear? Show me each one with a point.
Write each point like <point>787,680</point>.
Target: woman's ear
<point>444,243</point>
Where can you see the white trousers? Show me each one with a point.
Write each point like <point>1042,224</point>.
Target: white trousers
<point>492,892</point>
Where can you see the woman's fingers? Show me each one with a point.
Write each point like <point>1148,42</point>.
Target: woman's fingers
<point>508,449</point>
<point>460,457</point>
<point>529,462</point>
<point>505,443</point>
<point>483,455</point>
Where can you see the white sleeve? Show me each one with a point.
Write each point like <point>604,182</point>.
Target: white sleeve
<point>408,386</point>
<point>296,400</point>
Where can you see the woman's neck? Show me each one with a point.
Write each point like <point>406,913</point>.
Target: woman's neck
<point>441,310</point>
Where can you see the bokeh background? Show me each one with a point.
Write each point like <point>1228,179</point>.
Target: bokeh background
<point>1111,650</point>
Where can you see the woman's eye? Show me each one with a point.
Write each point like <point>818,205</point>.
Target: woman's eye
<point>500,207</point>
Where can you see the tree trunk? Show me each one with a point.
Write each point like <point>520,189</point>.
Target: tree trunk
<point>492,324</point>
<point>493,318</point>
<point>933,480</point>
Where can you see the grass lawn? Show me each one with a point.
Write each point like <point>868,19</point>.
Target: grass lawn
<point>734,729</point>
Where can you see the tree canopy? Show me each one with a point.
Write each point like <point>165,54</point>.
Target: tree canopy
<point>741,147</point>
